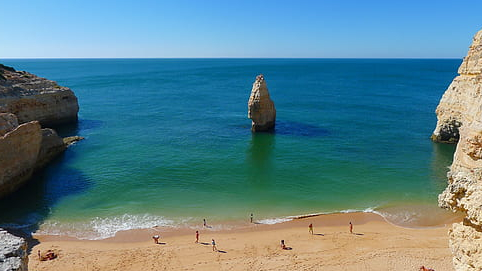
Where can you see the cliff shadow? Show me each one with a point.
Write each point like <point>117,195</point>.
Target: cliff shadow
<point>259,158</point>
<point>76,128</point>
<point>442,156</point>
<point>299,129</point>
<point>26,209</point>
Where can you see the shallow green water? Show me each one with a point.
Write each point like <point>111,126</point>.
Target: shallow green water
<point>168,143</point>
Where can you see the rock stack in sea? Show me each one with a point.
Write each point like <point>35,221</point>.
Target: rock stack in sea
<point>261,108</point>
<point>28,102</point>
<point>460,120</point>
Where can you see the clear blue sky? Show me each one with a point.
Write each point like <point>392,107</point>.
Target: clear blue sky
<point>235,28</point>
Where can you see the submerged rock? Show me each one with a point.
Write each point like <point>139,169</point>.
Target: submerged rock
<point>13,252</point>
<point>460,119</point>
<point>261,108</point>
<point>30,98</point>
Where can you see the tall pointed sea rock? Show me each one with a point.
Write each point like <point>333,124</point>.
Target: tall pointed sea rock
<point>460,119</point>
<point>261,108</point>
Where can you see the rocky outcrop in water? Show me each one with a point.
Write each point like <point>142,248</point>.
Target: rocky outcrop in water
<point>24,149</point>
<point>30,98</point>
<point>460,102</point>
<point>261,108</point>
<point>26,103</point>
<point>460,119</point>
<point>13,252</point>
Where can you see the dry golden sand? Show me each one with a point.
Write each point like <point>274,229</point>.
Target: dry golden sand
<point>377,245</point>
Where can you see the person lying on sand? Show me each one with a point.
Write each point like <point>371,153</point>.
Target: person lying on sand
<point>50,255</point>
<point>423,268</point>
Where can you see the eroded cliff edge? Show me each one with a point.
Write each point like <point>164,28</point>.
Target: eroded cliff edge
<point>460,102</point>
<point>30,98</point>
<point>460,120</point>
<point>28,102</point>
<point>13,252</point>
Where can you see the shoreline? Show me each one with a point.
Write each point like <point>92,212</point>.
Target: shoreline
<point>237,225</point>
<point>375,245</point>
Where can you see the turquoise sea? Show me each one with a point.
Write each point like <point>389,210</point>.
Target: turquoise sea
<point>168,143</point>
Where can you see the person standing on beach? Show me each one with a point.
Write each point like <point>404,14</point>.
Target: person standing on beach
<point>214,245</point>
<point>251,217</point>
<point>310,227</point>
<point>204,222</point>
<point>283,246</point>
<point>156,239</point>
<point>197,237</point>
<point>351,227</point>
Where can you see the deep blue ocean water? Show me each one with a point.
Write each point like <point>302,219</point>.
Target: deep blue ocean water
<point>168,142</point>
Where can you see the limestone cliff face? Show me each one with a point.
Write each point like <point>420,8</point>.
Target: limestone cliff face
<point>8,122</point>
<point>18,156</point>
<point>52,145</point>
<point>460,102</point>
<point>13,252</point>
<point>261,108</point>
<point>460,119</point>
<point>25,148</point>
<point>30,97</point>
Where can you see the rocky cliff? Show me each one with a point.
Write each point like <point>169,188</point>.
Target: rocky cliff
<point>30,98</point>
<point>19,149</point>
<point>13,252</point>
<point>27,102</point>
<point>460,102</point>
<point>460,119</point>
<point>261,108</point>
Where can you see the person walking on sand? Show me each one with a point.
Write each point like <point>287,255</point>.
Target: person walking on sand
<point>351,227</point>
<point>197,237</point>
<point>156,239</point>
<point>214,245</point>
<point>310,227</point>
<point>251,217</point>
<point>283,246</point>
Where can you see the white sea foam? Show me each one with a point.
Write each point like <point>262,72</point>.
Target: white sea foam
<point>101,228</point>
<point>367,210</point>
<point>271,221</point>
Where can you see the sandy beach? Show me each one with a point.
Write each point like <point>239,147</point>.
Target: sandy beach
<point>374,245</point>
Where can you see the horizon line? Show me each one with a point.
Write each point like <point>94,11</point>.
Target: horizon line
<point>1,58</point>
